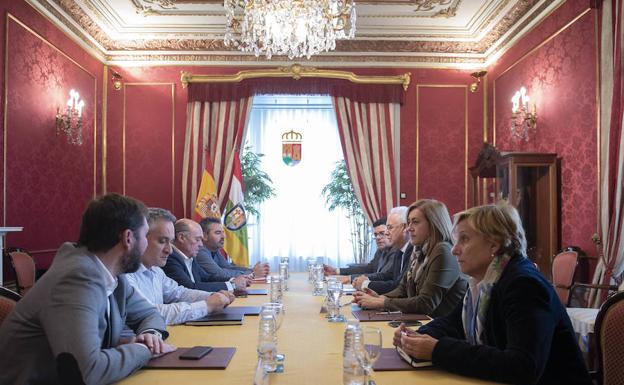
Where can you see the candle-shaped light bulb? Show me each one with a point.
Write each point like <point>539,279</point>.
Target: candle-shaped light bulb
<point>79,105</point>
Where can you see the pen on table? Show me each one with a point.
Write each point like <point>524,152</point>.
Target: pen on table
<point>388,312</point>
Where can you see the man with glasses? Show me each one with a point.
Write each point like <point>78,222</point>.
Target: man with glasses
<point>399,255</point>
<point>380,261</point>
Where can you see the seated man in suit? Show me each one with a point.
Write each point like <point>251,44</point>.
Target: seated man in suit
<point>399,253</point>
<point>182,267</point>
<point>176,303</point>
<point>211,258</point>
<point>380,261</point>
<point>67,328</point>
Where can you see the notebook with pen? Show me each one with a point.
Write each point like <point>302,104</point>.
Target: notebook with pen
<point>380,316</point>
<point>218,319</point>
<point>396,359</point>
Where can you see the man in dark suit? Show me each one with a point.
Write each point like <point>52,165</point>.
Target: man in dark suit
<point>211,258</point>
<point>182,267</point>
<point>399,255</point>
<point>67,328</point>
<point>380,261</point>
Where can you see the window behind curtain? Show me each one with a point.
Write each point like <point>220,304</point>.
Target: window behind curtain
<point>296,222</point>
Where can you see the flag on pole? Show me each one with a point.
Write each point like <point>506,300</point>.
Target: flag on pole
<point>235,219</point>
<point>207,204</point>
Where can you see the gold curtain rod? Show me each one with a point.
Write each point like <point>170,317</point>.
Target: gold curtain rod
<point>296,71</point>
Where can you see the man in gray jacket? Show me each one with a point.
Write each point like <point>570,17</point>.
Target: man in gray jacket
<point>67,328</point>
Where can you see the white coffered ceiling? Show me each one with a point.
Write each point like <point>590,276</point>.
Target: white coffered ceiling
<point>422,33</point>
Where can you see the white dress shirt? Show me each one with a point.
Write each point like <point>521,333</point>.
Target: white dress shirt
<point>176,303</point>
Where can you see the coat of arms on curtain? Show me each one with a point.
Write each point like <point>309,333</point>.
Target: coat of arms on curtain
<point>291,148</point>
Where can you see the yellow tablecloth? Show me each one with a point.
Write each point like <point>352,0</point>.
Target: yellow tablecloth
<point>313,348</point>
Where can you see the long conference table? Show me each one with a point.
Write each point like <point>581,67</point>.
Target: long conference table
<point>312,346</point>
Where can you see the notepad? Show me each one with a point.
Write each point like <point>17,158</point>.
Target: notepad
<point>218,319</point>
<point>393,360</point>
<point>376,316</point>
<point>218,358</point>
<point>246,310</point>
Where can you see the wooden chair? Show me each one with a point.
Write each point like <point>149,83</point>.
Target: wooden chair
<point>609,332</point>
<point>563,270</point>
<point>24,266</point>
<point>8,299</point>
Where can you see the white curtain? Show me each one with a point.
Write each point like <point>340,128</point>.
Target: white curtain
<point>296,222</point>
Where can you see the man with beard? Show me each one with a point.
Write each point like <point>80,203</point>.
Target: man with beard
<point>66,329</point>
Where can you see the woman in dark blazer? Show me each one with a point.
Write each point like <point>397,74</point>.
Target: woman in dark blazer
<point>511,326</point>
<point>432,284</point>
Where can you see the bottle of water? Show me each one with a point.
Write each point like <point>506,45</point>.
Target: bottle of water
<point>352,371</point>
<point>267,341</point>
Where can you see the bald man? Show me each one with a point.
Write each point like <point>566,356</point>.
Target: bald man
<point>182,267</point>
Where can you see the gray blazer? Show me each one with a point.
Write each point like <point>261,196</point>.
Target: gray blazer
<point>435,291</point>
<point>213,267</point>
<point>58,333</point>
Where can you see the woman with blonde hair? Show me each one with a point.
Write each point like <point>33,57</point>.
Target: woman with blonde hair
<point>511,326</point>
<point>432,284</point>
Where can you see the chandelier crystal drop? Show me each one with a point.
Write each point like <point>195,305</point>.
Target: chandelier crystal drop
<point>294,28</point>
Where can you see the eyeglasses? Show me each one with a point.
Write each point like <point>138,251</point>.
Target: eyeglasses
<point>380,234</point>
<point>390,227</point>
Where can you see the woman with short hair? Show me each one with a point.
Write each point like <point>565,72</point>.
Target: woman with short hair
<point>432,284</point>
<point>511,326</point>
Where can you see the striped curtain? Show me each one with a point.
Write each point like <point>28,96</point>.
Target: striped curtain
<point>367,134</point>
<point>218,128</point>
<point>612,145</point>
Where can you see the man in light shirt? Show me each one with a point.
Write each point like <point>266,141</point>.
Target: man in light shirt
<point>175,303</point>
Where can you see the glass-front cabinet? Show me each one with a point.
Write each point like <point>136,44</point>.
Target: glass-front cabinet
<point>528,181</point>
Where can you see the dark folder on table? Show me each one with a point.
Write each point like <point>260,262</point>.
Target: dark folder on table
<point>376,315</point>
<point>218,358</point>
<point>218,319</point>
<point>390,360</point>
<point>246,310</point>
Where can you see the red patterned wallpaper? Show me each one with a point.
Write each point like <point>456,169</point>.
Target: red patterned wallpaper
<point>560,77</point>
<point>442,150</point>
<point>48,180</point>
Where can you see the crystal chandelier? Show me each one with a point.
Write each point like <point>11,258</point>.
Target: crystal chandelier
<point>295,28</point>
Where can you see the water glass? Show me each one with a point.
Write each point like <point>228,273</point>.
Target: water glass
<point>310,263</point>
<point>283,273</point>
<point>319,284</point>
<point>275,288</point>
<point>370,350</point>
<point>277,309</point>
<point>334,293</point>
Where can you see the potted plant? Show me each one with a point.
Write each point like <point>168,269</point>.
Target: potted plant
<point>257,183</point>
<point>339,193</point>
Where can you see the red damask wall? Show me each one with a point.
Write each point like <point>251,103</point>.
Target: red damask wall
<point>450,118</point>
<point>557,63</point>
<point>46,181</point>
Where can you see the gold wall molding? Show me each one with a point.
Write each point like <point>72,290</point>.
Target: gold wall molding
<point>123,134</point>
<point>466,141</point>
<point>10,17</point>
<point>296,72</point>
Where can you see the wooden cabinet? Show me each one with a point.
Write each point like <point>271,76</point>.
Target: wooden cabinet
<point>529,181</point>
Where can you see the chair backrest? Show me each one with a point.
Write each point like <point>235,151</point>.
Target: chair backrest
<point>609,332</point>
<point>24,266</point>
<point>563,269</point>
<point>8,299</point>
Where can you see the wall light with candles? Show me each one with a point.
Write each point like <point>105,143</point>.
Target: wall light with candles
<point>71,121</point>
<point>522,119</point>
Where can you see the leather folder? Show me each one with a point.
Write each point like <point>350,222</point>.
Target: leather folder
<point>390,360</point>
<point>218,358</point>
<point>377,316</point>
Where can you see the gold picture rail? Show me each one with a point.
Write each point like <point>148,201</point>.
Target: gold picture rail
<point>296,71</point>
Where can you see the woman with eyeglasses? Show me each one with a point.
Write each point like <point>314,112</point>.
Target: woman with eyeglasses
<point>432,284</point>
<point>511,326</point>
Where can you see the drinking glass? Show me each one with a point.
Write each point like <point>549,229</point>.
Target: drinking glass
<point>275,288</point>
<point>283,272</point>
<point>370,350</point>
<point>334,293</point>
<point>278,314</point>
<point>318,280</point>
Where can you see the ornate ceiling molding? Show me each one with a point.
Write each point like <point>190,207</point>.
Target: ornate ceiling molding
<point>495,23</point>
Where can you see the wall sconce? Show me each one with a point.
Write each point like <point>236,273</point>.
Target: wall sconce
<point>474,87</point>
<point>71,121</point>
<point>116,78</point>
<point>522,120</point>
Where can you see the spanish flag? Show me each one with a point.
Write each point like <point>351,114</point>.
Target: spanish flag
<point>207,204</point>
<point>235,219</point>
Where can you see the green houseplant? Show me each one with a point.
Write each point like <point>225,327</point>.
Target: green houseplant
<point>257,185</point>
<point>338,193</point>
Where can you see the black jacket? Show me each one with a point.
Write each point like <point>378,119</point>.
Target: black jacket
<point>175,268</point>
<point>384,282</point>
<point>528,335</point>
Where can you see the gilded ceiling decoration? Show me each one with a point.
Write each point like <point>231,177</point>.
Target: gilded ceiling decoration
<point>448,33</point>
